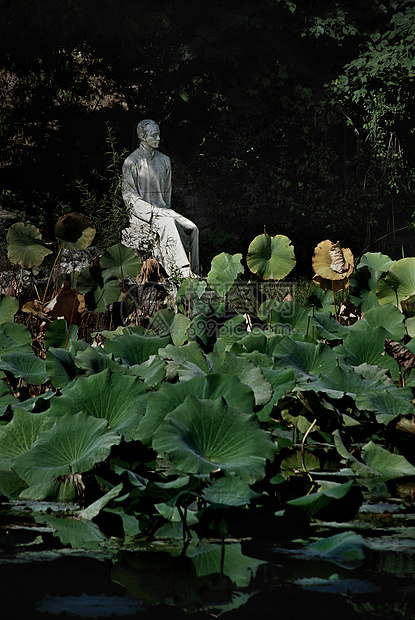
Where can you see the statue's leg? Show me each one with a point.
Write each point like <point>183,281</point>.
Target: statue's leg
<point>142,236</point>
<point>179,237</point>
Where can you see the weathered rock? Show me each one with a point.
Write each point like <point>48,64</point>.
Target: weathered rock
<point>15,281</point>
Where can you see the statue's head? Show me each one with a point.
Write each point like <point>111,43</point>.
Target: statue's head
<point>148,129</point>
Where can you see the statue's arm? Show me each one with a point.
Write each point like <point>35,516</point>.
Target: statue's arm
<point>130,189</point>
<point>167,195</point>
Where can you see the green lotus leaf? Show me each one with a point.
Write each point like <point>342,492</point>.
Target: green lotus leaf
<point>93,509</point>
<point>377,263</point>
<point>103,297</point>
<point>208,560</point>
<point>346,549</point>
<point>73,445</point>
<point>174,526</point>
<point>367,346</point>
<point>135,348</point>
<point>195,289</point>
<point>201,436</point>
<point>339,382</point>
<point>24,245</point>
<point>8,308</point>
<point>172,395</point>
<point>282,381</point>
<point>187,360</point>
<point>386,464</point>
<point>366,300</point>
<point>60,367</point>
<point>15,337</point>
<point>272,258</point>
<point>307,360</point>
<point>118,398</point>
<point>399,283</point>
<point>256,341</point>
<point>228,363</point>
<point>375,373</point>
<point>371,267</point>
<point>232,330</point>
<point>36,402</point>
<point>7,402</point>
<point>4,388</point>
<point>284,317</point>
<point>72,531</point>
<point>20,433</point>
<point>388,317</point>
<point>200,329</point>
<point>294,462</point>
<point>25,365</point>
<point>224,270</point>
<point>313,503</point>
<point>260,360</point>
<point>74,231</point>
<point>16,438</point>
<point>114,333</point>
<point>121,261</point>
<point>325,326</point>
<point>93,360</point>
<point>130,524</point>
<point>100,288</point>
<point>357,467</point>
<point>152,371</point>
<point>89,279</point>
<point>386,404</point>
<point>58,335</point>
<point>166,321</point>
<point>229,491</point>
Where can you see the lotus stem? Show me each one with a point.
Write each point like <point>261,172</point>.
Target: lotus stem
<point>122,274</point>
<point>312,327</point>
<point>334,300</point>
<point>222,554</point>
<point>308,324</point>
<point>50,275</point>
<point>276,290</point>
<point>306,434</point>
<point>37,292</point>
<point>187,535</point>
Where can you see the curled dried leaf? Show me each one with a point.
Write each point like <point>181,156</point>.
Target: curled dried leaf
<point>151,271</point>
<point>34,307</point>
<point>401,354</point>
<point>338,264</point>
<point>332,262</point>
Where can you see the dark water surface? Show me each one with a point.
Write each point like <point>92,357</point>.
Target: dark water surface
<point>40,578</point>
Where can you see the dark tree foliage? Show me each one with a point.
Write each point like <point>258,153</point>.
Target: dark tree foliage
<point>276,113</point>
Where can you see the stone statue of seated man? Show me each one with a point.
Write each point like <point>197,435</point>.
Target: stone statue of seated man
<point>147,192</point>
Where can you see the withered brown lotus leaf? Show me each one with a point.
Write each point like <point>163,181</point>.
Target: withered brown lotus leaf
<point>332,262</point>
<point>331,285</point>
<point>67,303</point>
<point>404,357</point>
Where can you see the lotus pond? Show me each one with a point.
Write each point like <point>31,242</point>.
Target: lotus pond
<point>359,569</point>
<point>224,456</point>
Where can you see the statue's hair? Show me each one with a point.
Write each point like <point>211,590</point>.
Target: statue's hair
<point>142,128</point>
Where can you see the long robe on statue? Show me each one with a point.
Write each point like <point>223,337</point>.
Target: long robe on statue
<point>147,191</point>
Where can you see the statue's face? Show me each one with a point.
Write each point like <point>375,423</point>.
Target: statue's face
<point>153,136</point>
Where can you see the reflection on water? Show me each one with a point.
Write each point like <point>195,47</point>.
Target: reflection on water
<point>344,574</point>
